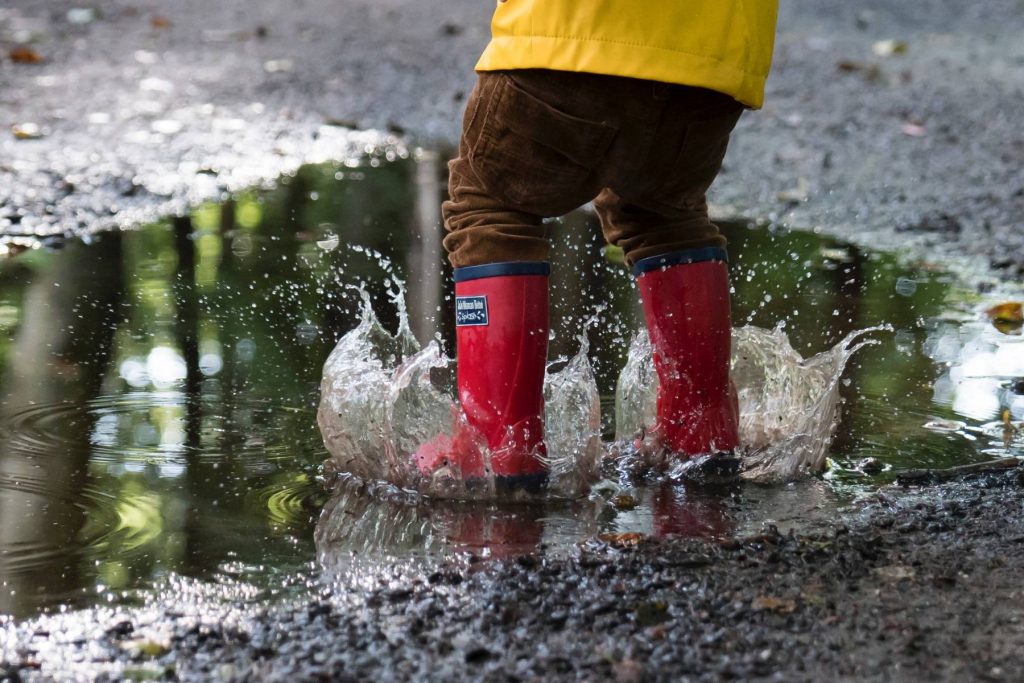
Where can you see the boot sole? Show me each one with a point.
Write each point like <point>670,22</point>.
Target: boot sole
<point>716,469</point>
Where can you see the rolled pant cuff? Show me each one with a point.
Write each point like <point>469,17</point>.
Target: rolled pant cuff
<point>676,258</point>
<point>467,273</point>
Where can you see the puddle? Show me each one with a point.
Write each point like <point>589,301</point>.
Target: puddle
<point>160,389</point>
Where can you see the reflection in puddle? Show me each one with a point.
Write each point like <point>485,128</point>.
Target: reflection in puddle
<point>159,388</point>
<point>981,382</point>
<point>363,528</point>
<point>361,525</point>
<point>357,523</point>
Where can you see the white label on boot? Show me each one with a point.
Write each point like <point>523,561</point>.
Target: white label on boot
<point>470,311</point>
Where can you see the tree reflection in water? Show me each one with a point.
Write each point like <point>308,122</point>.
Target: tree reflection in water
<point>160,386</point>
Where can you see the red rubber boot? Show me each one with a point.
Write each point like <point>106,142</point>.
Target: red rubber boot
<point>685,297</point>
<point>501,328</point>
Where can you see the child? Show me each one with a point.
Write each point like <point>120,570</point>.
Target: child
<point>628,103</point>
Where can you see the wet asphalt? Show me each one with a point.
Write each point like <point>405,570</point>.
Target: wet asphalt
<point>150,105</point>
<point>913,144</point>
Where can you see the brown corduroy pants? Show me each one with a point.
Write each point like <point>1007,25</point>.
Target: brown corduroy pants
<point>539,143</point>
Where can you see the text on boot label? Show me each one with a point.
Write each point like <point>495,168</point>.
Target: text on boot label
<point>470,310</point>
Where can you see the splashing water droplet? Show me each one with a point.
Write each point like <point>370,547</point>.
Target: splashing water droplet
<point>789,406</point>
<point>572,422</point>
<point>383,400</point>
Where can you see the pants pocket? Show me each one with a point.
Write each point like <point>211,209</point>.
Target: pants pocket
<point>533,156</point>
<point>698,159</point>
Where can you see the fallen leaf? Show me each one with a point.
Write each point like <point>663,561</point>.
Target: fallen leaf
<point>1011,312</point>
<point>273,66</point>
<point>160,22</point>
<point>895,572</point>
<point>341,123</point>
<point>797,194</point>
<point>146,647</point>
<point>767,603</point>
<point>888,48</point>
<point>913,130</point>
<point>624,501</point>
<point>630,538</point>
<point>872,72</point>
<point>1007,317</point>
<point>25,55</point>
<point>1010,430</point>
<point>27,131</point>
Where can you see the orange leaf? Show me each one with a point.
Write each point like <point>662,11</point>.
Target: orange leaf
<point>627,539</point>
<point>25,55</point>
<point>1008,318</point>
<point>769,603</point>
<point>160,22</point>
<point>1009,312</point>
<point>624,501</point>
<point>26,131</point>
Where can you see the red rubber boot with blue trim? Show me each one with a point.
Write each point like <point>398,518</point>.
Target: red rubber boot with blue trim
<point>685,297</point>
<point>501,329</point>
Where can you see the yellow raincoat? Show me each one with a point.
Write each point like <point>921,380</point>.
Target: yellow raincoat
<point>723,45</point>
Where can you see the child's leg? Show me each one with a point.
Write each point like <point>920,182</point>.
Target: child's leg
<point>484,229</point>
<point>520,159</point>
<point>679,261</point>
<point>655,228</point>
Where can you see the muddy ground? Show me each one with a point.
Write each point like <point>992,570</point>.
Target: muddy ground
<point>912,584</point>
<point>149,105</point>
<point>144,104</point>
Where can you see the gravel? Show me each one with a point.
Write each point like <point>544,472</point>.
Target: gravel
<point>910,584</point>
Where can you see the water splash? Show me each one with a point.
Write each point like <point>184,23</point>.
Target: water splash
<point>789,405</point>
<point>353,394</point>
<point>382,398</point>
<point>636,390</point>
<point>572,422</point>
